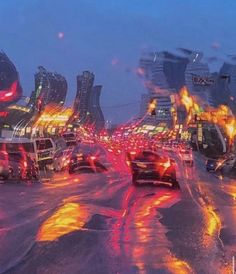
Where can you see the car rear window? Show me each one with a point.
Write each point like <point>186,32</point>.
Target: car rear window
<point>44,144</point>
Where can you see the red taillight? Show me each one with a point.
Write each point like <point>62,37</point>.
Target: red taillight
<point>92,158</point>
<point>25,164</point>
<point>166,164</point>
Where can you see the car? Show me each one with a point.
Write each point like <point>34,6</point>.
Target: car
<point>149,167</point>
<point>211,165</point>
<point>18,166</point>
<point>187,157</point>
<point>61,159</point>
<point>70,139</point>
<point>87,158</point>
<point>22,166</point>
<point>45,150</point>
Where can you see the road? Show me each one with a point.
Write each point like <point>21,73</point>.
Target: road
<point>100,223</point>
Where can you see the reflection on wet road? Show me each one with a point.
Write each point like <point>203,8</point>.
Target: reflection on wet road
<point>100,223</point>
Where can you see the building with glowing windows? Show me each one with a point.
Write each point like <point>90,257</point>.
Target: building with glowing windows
<point>50,88</point>
<point>198,79</point>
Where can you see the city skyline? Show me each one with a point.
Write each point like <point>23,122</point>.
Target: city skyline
<point>85,41</point>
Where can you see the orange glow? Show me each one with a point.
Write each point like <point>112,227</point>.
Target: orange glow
<point>152,105</point>
<point>189,103</point>
<point>70,217</point>
<point>166,164</point>
<point>54,116</point>
<point>222,115</point>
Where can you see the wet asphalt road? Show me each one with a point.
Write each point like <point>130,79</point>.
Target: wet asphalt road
<point>100,223</point>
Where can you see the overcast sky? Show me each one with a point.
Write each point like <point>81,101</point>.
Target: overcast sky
<point>107,37</point>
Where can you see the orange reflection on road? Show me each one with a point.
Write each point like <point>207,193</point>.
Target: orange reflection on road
<point>151,242</point>
<point>177,266</point>
<point>213,221</point>
<point>68,218</point>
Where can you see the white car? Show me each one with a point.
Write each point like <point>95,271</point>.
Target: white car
<point>187,157</point>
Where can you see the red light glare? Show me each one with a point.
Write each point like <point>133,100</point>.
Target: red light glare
<point>93,158</point>
<point>10,94</point>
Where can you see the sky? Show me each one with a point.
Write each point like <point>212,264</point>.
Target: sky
<point>108,38</point>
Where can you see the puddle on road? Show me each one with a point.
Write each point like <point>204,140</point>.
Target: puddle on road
<point>66,219</point>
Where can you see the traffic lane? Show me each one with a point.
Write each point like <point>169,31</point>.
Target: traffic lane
<point>24,207</point>
<point>220,193</point>
<point>84,238</point>
<point>194,225</point>
<point>141,237</point>
<point>90,218</point>
<point>85,214</point>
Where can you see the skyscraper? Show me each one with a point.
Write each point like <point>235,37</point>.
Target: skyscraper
<point>87,101</point>
<point>198,79</point>
<point>84,89</point>
<point>230,70</point>
<point>95,112</point>
<point>50,88</point>
<point>152,65</point>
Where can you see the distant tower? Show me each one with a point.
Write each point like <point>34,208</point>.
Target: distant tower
<point>230,70</point>
<point>84,89</point>
<point>196,76</point>
<point>96,115</point>
<point>50,88</point>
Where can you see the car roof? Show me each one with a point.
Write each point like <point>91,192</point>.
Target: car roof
<point>15,140</point>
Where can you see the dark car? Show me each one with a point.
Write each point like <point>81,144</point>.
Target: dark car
<point>149,167</point>
<point>87,158</point>
<point>211,165</point>
<point>22,166</point>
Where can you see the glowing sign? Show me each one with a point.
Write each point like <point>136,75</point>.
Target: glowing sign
<point>202,81</point>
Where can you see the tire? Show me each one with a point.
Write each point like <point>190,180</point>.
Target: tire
<point>175,185</point>
<point>71,171</point>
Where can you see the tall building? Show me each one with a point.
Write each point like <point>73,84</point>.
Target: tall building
<point>95,112</point>
<point>198,79</point>
<point>84,89</point>
<point>87,100</point>
<point>10,88</point>
<point>50,88</point>
<point>230,71</point>
<point>158,70</point>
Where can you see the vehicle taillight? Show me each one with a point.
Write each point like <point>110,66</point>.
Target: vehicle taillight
<point>92,158</point>
<point>128,163</point>
<point>25,164</point>
<point>166,164</point>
